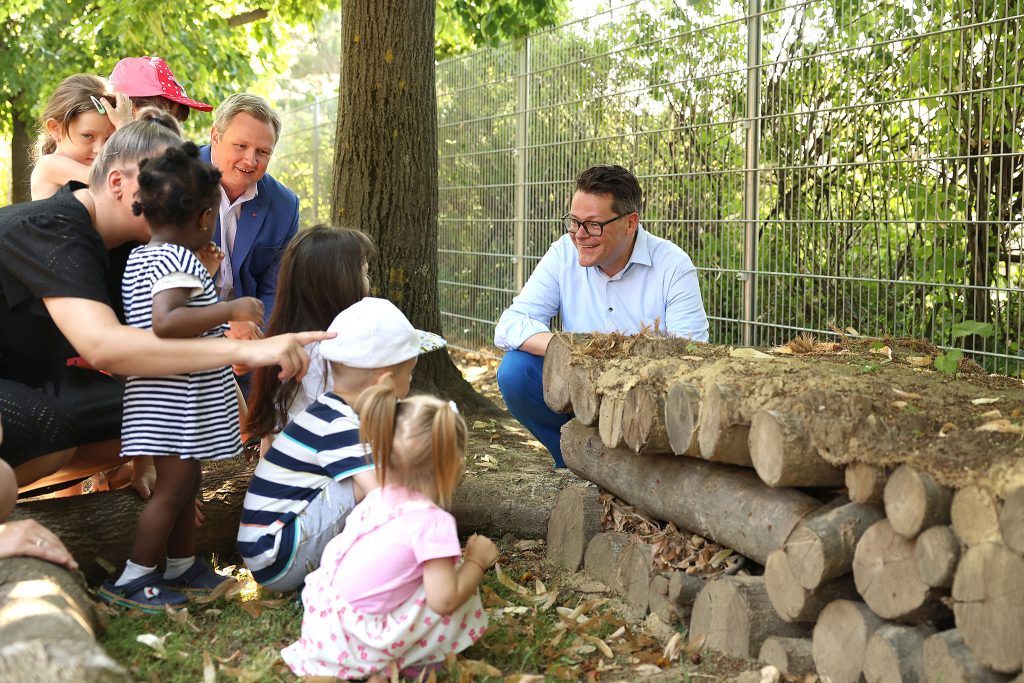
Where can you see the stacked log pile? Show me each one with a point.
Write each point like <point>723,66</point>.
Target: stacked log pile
<point>885,500</point>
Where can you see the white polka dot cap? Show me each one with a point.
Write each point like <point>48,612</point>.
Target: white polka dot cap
<point>373,333</point>
<point>149,76</point>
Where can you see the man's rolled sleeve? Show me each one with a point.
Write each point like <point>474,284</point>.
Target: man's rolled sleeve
<point>685,315</point>
<point>531,312</point>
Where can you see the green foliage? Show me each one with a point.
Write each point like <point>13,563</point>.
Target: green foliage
<point>949,361</point>
<point>463,25</point>
<point>969,327</point>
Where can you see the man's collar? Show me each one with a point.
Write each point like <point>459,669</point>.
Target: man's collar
<point>641,248</point>
<point>244,197</point>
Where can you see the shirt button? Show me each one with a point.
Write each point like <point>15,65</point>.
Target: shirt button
<point>610,308</point>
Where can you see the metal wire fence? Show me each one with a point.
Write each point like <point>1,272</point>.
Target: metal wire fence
<point>827,164</point>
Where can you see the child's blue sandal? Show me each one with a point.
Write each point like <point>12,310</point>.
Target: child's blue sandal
<point>146,593</point>
<point>199,579</point>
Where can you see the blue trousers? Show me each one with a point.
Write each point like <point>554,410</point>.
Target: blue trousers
<point>520,381</point>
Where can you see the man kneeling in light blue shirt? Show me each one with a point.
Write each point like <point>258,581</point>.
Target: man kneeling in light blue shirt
<point>607,274</point>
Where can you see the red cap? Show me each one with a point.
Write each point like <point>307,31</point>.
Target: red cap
<point>149,76</point>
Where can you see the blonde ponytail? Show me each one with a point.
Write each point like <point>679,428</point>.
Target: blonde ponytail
<point>376,407</point>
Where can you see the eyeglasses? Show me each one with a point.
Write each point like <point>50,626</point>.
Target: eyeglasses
<point>592,228</point>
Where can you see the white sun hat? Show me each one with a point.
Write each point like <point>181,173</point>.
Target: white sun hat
<point>373,333</point>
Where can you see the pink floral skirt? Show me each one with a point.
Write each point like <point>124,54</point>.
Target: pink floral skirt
<point>341,641</point>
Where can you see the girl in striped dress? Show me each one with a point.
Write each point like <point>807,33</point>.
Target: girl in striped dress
<point>180,420</point>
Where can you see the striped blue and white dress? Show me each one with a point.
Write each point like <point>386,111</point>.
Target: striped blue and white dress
<point>193,415</point>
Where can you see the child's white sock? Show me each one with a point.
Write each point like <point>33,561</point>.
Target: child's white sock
<point>176,566</point>
<point>133,571</point>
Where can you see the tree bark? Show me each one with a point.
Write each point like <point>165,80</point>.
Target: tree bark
<point>948,659</point>
<point>895,654</point>
<point>914,501</point>
<point>975,516</point>
<point>556,374</point>
<point>601,560</point>
<point>575,519</point>
<point>988,607</point>
<point>936,554</point>
<point>735,617</point>
<point>21,159</point>
<point>865,483</point>
<point>385,170</point>
<point>886,576</point>
<point>782,454</point>
<point>822,547</point>
<point>49,628</point>
<point>793,602</point>
<point>1011,520</point>
<point>788,655</point>
<point>841,640</point>
<point>728,505</point>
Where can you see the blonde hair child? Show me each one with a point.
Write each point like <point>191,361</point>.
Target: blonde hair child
<point>390,591</point>
<point>78,119</point>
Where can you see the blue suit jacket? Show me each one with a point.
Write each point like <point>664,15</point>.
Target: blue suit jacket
<point>266,224</point>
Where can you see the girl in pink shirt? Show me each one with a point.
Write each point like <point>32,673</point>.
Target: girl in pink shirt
<point>391,590</point>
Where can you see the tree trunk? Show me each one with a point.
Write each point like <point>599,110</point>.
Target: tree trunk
<point>1011,520</point>
<point>975,516</point>
<point>788,655</point>
<point>914,501</point>
<point>822,547</point>
<point>682,413</point>
<point>782,454</point>
<point>21,159</point>
<point>948,659</point>
<point>735,617</point>
<point>601,561</point>
<point>385,170</point>
<point>988,607</point>
<point>895,654</point>
<point>724,431</point>
<point>556,374</point>
<point>865,483</point>
<point>936,554</point>
<point>583,393</point>
<point>636,566</point>
<point>792,601</point>
<point>841,640</point>
<point>49,628</point>
<point>728,505</point>
<point>575,519</point>
<point>886,576</point>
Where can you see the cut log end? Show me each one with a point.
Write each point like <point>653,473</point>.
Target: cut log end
<point>723,433</point>
<point>682,410</point>
<point>575,519</point>
<point>914,501</point>
<point>865,483</point>
<point>894,654</point>
<point>782,454</point>
<point>989,610</point>
<point>601,560</point>
<point>555,374</point>
<point>948,659</point>
<point>975,516</point>
<point>936,554</point>
<point>841,640</point>
<point>788,655</point>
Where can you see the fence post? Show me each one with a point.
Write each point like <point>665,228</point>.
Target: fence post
<point>522,133</point>
<point>750,203</point>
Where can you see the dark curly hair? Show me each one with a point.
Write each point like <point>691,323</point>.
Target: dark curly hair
<point>175,187</point>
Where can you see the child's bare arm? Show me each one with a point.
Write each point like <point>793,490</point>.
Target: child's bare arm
<point>173,319</point>
<point>448,589</point>
<point>364,482</point>
<point>52,171</point>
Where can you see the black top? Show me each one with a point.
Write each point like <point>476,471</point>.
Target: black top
<point>49,248</point>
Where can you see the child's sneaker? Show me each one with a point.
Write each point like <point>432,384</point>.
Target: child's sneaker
<point>199,579</point>
<point>145,593</point>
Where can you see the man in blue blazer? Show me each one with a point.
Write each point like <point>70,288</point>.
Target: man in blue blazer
<point>258,215</point>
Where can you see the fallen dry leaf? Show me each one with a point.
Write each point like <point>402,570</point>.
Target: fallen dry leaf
<point>674,647</point>
<point>476,667</point>
<point>992,414</point>
<point>157,643</point>
<point>984,401</point>
<point>746,353</point>
<point>900,405</point>
<point>1001,426</point>
<point>523,678</point>
<point>107,567</point>
<point>252,609</point>
<point>209,671</point>
<point>883,351</point>
<point>696,644</point>
<point>599,644</point>
<point>946,429</point>
<point>909,395</point>
<point>919,361</point>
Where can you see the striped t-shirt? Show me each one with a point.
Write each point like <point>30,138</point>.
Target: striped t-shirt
<point>320,445</point>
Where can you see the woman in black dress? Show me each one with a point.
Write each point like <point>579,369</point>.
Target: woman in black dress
<point>61,261</point>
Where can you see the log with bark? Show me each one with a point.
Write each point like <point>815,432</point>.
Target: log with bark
<point>865,483</point>
<point>601,560</point>
<point>672,595</point>
<point>886,575</point>
<point>49,628</point>
<point>988,604</point>
<point>724,430</point>
<point>575,518</point>
<point>555,373</point>
<point>782,453</point>
<point>734,616</point>
<point>793,602</point>
<point>914,501</point>
<point>490,503</point>
<point>822,547</point>
<point>731,506</point>
<point>583,392</point>
<point>975,516</point>
<point>789,655</point>
<point>936,554</point>
<point>895,654</point>
<point>948,659</point>
<point>841,639</point>
<point>1011,520</point>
